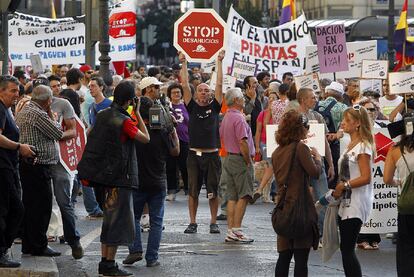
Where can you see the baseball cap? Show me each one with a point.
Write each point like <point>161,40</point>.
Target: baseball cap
<point>149,81</point>
<point>85,68</point>
<point>40,81</point>
<point>336,87</point>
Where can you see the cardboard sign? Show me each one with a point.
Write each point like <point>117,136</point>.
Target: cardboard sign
<point>36,63</point>
<point>332,53</point>
<point>401,82</point>
<point>241,69</point>
<point>296,71</point>
<point>310,81</point>
<point>228,82</point>
<point>370,85</point>
<point>208,67</point>
<point>312,63</point>
<point>200,34</point>
<point>357,52</point>
<point>374,69</point>
<point>316,138</point>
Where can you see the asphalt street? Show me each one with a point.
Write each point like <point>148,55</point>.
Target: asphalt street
<point>205,254</point>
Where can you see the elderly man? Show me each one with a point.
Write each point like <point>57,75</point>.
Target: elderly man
<point>332,110</point>
<point>238,167</point>
<point>11,206</point>
<point>38,128</point>
<point>204,136</point>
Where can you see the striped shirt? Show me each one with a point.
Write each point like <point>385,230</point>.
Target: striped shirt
<point>37,129</point>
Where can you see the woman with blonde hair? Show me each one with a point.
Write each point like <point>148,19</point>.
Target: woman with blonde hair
<point>354,184</point>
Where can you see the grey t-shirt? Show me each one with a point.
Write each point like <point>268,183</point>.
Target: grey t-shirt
<point>313,115</point>
<point>62,108</point>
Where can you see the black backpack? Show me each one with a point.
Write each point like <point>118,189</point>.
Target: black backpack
<point>327,116</point>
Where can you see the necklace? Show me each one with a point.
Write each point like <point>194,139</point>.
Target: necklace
<point>352,144</point>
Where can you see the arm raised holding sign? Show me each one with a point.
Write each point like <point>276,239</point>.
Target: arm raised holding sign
<point>218,94</point>
<point>184,78</point>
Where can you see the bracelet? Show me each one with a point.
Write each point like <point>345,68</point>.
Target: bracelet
<point>347,185</point>
<point>18,147</point>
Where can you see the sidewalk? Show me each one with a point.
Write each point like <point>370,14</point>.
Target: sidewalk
<point>31,266</point>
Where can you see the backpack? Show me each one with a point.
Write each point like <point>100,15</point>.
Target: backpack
<point>327,116</point>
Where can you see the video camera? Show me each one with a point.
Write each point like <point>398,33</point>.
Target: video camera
<point>160,117</point>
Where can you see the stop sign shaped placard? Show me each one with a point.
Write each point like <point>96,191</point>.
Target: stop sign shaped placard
<point>200,34</point>
<point>71,150</point>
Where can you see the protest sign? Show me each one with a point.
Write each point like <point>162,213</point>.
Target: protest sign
<point>357,52</point>
<point>332,53</point>
<point>267,47</point>
<point>36,63</point>
<point>241,69</point>
<point>374,69</point>
<point>228,82</point>
<point>122,32</point>
<point>370,85</point>
<point>401,82</point>
<point>208,67</point>
<point>310,81</point>
<point>383,217</point>
<point>316,138</point>
<point>57,41</point>
<point>312,63</point>
<point>296,71</point>
<point>200,34</point>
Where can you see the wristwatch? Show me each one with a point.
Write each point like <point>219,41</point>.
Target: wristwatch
<point>347,185</point>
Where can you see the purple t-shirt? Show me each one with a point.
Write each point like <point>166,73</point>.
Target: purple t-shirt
<point>233,129</point>
<point>180,113</point>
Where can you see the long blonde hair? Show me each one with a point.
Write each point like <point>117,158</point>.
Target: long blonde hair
<point>360,114</point>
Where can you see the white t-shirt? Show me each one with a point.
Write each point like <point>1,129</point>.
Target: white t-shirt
<point>387,106</point>
<point>361,197</point>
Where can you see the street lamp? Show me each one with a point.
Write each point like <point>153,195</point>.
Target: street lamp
<point>104,45</point>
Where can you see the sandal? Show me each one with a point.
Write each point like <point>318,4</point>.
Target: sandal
<point>365,246</point>
<point>256,196</point>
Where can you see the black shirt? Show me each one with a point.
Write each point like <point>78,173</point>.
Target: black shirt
<point>8,158</point>
<point>203,127</point>
<point>73,98</point>
<point>152,159</point>
<point>254,115</point>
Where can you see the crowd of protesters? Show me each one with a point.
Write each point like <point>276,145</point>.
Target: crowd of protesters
<point>162,129</point>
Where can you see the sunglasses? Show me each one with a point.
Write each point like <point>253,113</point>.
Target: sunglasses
<point>371,110</point>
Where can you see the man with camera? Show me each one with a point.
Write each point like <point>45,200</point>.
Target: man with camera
<point>109,162</point>
<point>204,135</point>
<point>152,158</point>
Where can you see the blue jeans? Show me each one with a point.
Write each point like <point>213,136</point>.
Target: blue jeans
<point>320,188</point>
<point>156,212</point>
<point>89,200</point>
<point>62,188</point>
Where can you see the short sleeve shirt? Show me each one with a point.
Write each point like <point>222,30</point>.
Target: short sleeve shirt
<point>8,158</point>
<point>233,129</point>
<point>203,127</point>
<point>62,108</point>
<point>361,197</point>
<point>337,110</point>
<point>278,109</point>
<point>260,119</point>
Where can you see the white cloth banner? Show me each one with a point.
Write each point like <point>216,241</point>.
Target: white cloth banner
<point>57,41</point>
<point>268,48</point>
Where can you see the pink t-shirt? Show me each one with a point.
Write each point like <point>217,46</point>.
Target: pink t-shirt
<point>260,119</point>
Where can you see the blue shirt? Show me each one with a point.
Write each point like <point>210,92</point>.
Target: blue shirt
<point>95,108</point>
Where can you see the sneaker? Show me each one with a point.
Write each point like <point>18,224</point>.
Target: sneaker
<point>107,269</point>
<point>239,236</point>
<point>77,251</point>
<point>153,263</point>
<point>191,228</point>
<point>6,262</point>
<point>95,216</point>
<point>221,217</point>
<point>214,229</point>
<point>171,197</point>
<point>132,258</point>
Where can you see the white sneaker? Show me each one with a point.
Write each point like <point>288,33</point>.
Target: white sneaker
<point>171,197</point>
<point>238,236</point>
<point>144,222</point>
